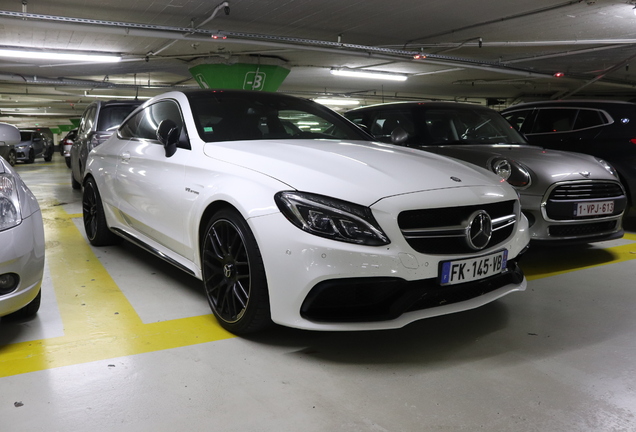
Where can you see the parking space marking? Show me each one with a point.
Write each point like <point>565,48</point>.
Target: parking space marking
<point>99,322</point>
<point>556,261</point>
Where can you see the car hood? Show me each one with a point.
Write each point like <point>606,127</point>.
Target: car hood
<point>554,164</point>
<point>358,171</point>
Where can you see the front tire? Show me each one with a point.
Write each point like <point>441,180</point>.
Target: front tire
<point>31,158</point>
<point>97,230</point>
<point>234,274</point>
<point>12,158</point>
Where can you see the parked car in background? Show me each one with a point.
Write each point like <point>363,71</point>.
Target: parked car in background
<point>567,197</point>
<point>22,246</point>
<point>317,228</point>
<point>9,137</point>
<point>65,146</point>
<point>99,120</point>
<point>606,129</point>
<point>33,144</point>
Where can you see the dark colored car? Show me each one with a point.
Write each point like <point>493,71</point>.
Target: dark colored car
<point>606,129</point>
<point>99,121</point>
<point>34,143</point>
<point>65,146</point>
<point>567,197</point>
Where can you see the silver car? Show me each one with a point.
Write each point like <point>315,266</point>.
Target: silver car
<point>9,137</point>
<point>34,143</point>
<point>567,197</point>
<point>21,246</point>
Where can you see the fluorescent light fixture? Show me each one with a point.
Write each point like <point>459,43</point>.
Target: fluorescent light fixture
<point>356,73</point>
<point>45,55</point>
<point>339,102</point>
<point>37,114</point>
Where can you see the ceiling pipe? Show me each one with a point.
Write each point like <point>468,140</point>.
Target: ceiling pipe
<point>224,5</point>
<point>517,44</point>
<point>600,76</point>
<point>496,21</point>
<point>34,79</point>
<point>146,30</point>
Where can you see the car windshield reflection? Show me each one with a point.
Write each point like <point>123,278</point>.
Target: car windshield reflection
<point>220,117</point>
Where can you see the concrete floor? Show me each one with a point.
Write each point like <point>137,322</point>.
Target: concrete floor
<point>125,342</point>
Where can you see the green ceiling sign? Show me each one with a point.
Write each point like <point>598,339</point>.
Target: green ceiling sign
<point>240,76</point>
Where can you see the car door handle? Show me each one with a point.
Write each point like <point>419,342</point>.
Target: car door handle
<point>124,157</point>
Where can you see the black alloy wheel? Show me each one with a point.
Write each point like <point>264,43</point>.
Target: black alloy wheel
<point>12,158</point>
<point>234,274</point>
<point>97,230</point>
<point>31,158</point>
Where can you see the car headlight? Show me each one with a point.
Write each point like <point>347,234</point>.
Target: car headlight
<point>9,203</point>
<point>512,172</point>
<point>609,168</point>
<point>331,218</point>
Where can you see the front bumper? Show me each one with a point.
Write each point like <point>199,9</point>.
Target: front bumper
<point>21,154</point>
<point>571,230</point>
<point>320,284</point>
<point>22,253</point>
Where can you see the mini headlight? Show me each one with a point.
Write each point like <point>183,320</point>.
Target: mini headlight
<point>513,172</point>
<point>331,218</point>
<point>609,168</point>
<point>9,204</point>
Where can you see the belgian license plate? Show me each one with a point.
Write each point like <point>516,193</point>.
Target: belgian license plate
<point>467,270</point>
<point>594,208</point>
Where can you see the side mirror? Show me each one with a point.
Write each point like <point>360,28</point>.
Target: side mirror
<point>168,134</point>
<point>399,135</point>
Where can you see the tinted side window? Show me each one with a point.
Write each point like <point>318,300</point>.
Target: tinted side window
<point>87,120</point>
<point>144,124</point>
<point>589,118</point>
<point>520,120</point>
<point>382,123</point>
<point>110,117</point>
<point>554,120</point>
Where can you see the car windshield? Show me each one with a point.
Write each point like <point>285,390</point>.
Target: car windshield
<point>447,126</point>
<point>226,116</point>
<point>25,136</point>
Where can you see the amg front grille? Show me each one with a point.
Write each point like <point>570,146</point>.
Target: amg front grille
<point>563,199</point>
<point>443,230</point>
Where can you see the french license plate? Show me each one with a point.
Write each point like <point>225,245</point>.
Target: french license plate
<point>594,208</point>
<point>467,270</point>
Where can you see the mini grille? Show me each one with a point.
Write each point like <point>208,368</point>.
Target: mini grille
<point>442,230</point>
<point>563,200</point>
<point>586,190</point>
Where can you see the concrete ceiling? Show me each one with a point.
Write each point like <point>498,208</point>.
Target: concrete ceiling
<point>507,50</point>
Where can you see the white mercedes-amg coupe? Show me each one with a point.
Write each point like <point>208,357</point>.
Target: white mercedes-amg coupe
<point>290,213</point>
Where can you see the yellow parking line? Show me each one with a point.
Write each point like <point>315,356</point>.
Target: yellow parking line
<point>99,322</point>
<point>559,260</point>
